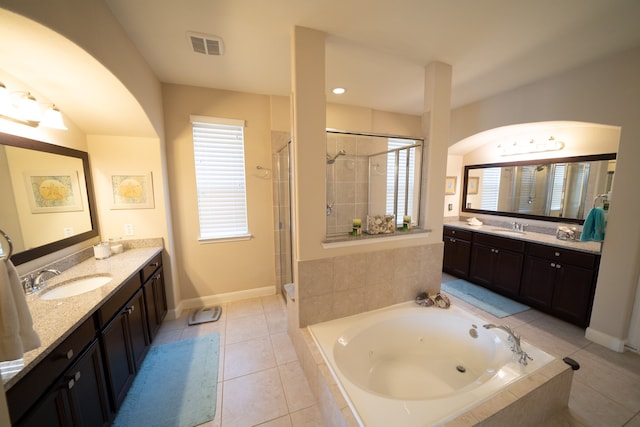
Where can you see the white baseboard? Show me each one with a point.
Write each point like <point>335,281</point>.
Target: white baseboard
<point>219,299</point>
<point>612,343</point>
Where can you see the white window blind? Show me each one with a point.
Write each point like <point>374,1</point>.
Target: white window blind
<point>218,146</point>
<point>490,189</point>
<point>405,178</point>
<point>557,191</point>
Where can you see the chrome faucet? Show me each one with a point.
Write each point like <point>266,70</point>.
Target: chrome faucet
<point>514,339</point>
<point>518,226</point>
<point>31,285</point>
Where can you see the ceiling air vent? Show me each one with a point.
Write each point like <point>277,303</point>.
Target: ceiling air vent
<point>205,44</point>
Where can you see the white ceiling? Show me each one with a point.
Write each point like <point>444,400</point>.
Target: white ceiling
<point>378,49</point>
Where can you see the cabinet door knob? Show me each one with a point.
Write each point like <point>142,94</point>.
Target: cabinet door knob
<point>558,266</point>
<point>557,254</point>
<point>155,264</point>
<point>553,264</point>
<point>453,231</point>
<point>130,309</point>
<point>497,251</point>
<point>156,277</point>
<point>77,376</point>
<point>71,383</point>
<point>69,354</point>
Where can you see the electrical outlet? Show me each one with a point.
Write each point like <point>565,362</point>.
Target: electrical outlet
<point>68,231</point>
<point>128,229</point>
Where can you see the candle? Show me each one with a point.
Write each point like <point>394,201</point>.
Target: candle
<point>357,222</point>
<point>356,230</point>
<point>406,223</point>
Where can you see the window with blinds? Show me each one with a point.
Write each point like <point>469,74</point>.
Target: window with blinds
<point>405,185</point>
<point>218,146</point>
<point>490,189</point>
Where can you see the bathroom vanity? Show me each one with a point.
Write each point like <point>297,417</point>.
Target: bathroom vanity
<point>92,344</point>
<point>551,275</point>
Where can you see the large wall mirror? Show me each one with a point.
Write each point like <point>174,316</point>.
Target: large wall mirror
<point>371,175</point>
<point>47,197</point>
<point>561,189</point>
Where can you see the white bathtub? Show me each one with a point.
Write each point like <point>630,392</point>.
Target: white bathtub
<point>407,365</point>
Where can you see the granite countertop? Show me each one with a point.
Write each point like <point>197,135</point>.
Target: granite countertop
<point>529,236</point>
<point>54,320</point>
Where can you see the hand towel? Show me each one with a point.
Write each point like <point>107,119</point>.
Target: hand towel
<point>16,325</point>
<point>594,225</point>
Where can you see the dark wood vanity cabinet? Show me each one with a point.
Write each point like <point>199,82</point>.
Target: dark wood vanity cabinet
<point>496,263</point>
<point>553,279</point>
<point>560,281</point>
<point>84,380</point>
<point>78,397</point>
<point>125,343</point>
<point>457,251</point>
<point>154,294</point>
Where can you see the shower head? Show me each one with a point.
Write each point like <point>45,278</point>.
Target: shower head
<point>332,160</point>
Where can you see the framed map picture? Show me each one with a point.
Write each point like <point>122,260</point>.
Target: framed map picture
<point>132,190</point>
<point>51,191</point>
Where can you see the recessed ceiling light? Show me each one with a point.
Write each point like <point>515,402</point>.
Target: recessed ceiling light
<point>339,90</point>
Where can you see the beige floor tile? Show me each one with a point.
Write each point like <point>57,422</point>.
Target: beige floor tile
<point>248,307</point>
<point>283,348</point>
<point>247,357</point>
<point>273,303</point>
<point>278,422</point>
<point>595,409</point>
<point>610,379</point>
<point>635,421</point>
<point>276,321</point>
<point>253,399</point>
<point>308,417</point>
<point>204,329</point>
<point>296,387</point>
<point>245,328</point>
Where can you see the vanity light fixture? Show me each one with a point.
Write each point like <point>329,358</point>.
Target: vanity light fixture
<point>530,147</point>
<point>339,90</point>
<point>23,108</point>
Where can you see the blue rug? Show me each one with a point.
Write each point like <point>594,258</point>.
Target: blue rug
<point>482,298</point>
<point>176,385</point>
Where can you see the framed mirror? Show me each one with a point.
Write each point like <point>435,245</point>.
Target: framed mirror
<point>48,201</point>
<point>561,189</point>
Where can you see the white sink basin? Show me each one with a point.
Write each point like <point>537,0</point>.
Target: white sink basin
<point>507,231</point>
<point>74,287</point>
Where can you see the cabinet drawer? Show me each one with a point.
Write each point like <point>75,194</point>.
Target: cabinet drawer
<point>115,303</point>
<point>562,255</point>
<point>151,267</point>
<point>457,233</point>
<point>25,392</point>
<point>499,242</point>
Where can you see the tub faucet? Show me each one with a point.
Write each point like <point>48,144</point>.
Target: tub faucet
<point>513,339</point>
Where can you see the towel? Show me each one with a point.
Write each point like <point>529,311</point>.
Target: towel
<point>16,326</point>
<point>594,225</point>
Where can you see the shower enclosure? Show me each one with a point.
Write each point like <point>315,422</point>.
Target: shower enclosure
<point>369,174</point>
<point>282,193</point>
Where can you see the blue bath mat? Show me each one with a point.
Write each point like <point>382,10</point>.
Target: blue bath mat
<point>482,298</point>
<point>176,385</point>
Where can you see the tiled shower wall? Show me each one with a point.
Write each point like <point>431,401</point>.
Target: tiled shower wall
<point>345,285</point>
<point>348,179</point>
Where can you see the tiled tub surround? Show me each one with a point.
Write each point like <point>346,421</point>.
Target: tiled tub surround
<point>342,286</point>
<point>531,401</point>
<point>54,320</point>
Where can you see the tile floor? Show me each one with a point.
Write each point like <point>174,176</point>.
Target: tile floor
<point>261,383</point>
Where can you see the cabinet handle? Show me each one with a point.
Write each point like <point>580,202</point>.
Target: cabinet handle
<point>453,231</point>
<point>77,376</point>
<point>557,254</point>
<point>453,240</point>
<point>69,354</point>
<point>130,309</point>
<point>156,277</point>
<point>155,264</point>
<point>558,266</point>
<point>553,264</point>
<point>71,383</point>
